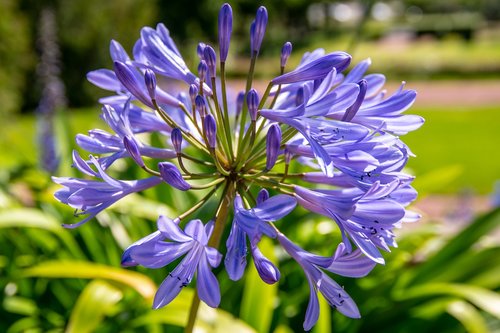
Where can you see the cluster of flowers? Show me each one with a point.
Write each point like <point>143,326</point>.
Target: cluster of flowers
<point>341,127</point>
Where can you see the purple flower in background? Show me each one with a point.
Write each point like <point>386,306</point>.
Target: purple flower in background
<point>319,136</point>
<point>154,251</point>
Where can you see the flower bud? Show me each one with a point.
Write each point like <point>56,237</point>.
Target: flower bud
<point>176,137</point>
<point>210,130</point>
<point>286,50</point>
<point>172,176</point>
<point>252,103</point>
<point>273,142</point>
<point>193,92</point>
<point>239,103</point>
<point>200,104</point>
<point>262,196</point>
<point>211,59</point>
<point>199,50</point>
<point>133,150</point>
<point>225,30</point>
<point>268,272</point>
<point>150,81</point>
<point>202,70</point>
<point>353,109</point>
<point>258,29</point>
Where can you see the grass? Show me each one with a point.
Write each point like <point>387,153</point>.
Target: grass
<point>456,148</point>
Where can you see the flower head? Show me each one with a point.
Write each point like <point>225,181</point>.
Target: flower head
<point>241,149</point>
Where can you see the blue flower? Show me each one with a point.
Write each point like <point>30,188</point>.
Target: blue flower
<point>253,223</point>
<point>203,135</point>
<point>93,196</point>
<point>154,251</point>
<point>343,263</point>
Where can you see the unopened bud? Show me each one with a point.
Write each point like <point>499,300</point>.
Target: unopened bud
<point>176,137</point>
<point>273,142</point>
<point>199,50</point>
<point>252,103</point>
<point>262,196</point>
<point>133,150</point>
<point>239,103</point>
<point>200,104</point>
<point>225,30</point>
<point>268,272</point>
<point>211,59</point>
<point>210,130</point>
<point>202,70</point>
<point>258,30</point>
<point>172,176</point>
<point>286,50</point>
<point>193,92</point>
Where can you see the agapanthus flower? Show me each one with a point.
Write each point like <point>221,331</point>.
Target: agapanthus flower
<point>154,252</point>
<point>237,148</point>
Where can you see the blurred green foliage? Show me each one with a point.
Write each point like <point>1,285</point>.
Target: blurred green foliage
<point>86,27</point>
<point>54,279</point>
<point>16,56</point>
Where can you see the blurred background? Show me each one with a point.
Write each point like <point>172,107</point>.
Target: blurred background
<point>445,275</point>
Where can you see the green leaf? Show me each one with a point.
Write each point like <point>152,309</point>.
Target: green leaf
<point>33,218</point>
<point>484,299</point>
<point>28,218</point>
<point>85,270</point>
<point>257,305</point>
<point>456,246</point>
<point>175,313</point>
<point>96,301</point>
<point>468,316</point>
<point>20,305</point>
<point>209,320</point>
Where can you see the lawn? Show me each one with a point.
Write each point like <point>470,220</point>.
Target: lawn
<point>456,149</point>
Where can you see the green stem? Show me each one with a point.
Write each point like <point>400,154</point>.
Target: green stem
<point>244,111</point>
<point>227,128</point>
<point>214,241</point>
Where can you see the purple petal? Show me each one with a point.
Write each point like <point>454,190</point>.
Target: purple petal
<point>275,207</point>
<point>127,259</point>
<point>236,255</point>
<point>105,79</point>
<point>354,264</point>
<point>117,52</point>
<point>335,295</point>
<point>207,284</point>
<point>180,277</point>
<point>316,69</point>
<point>171,230</point>
<point>312,312</point>
<point>196,230</point>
